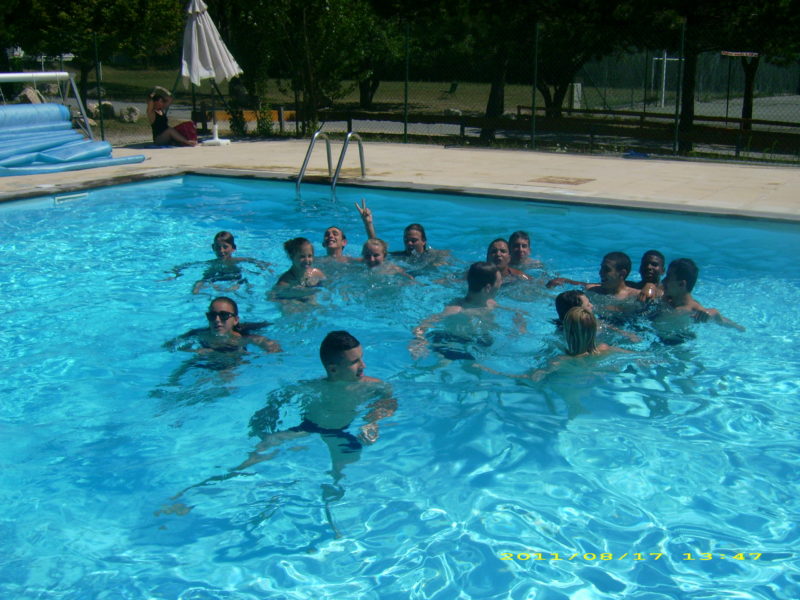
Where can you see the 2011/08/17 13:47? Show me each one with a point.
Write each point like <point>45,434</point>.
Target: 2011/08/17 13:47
<point>590,556</point>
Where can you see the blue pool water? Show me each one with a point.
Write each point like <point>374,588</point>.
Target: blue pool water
<point>629,479</point>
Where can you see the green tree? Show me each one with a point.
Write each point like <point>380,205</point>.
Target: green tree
<point>115,26</point>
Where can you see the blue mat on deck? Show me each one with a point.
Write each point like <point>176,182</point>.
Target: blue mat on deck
<point>39,138</point>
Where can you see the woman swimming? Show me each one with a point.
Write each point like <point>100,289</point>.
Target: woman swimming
<point>415,241</point>
<point>499,255</point>
<point>225,333</point>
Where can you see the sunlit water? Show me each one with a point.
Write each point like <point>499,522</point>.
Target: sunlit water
<point>630,470</point>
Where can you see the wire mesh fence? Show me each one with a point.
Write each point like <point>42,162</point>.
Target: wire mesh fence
<point>617,103</point>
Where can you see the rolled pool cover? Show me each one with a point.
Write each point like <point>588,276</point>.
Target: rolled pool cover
<point>38,138</point>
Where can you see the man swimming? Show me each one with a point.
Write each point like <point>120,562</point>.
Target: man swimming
<point>651,269</point>
<point>467,320</point>
<point>682,309</point>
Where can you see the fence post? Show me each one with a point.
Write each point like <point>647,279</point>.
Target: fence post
<point>280,119</point>
<point>533,86</point>
<point>675,142</point>
<point>405,93</point>
<point>99,81</point>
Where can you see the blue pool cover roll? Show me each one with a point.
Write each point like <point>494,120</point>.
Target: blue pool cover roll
<point>38,138</point>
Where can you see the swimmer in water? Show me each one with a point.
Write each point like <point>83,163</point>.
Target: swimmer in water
<point>572,298</point>
<point>415,241</point>
<point>225,333</point>
<point>374,254</point>
<point>682,309</point>
<point>499,254</point>
<point>519,244</point>
<point>334,241</point>
<point>329,407</point>
<point>651,269</point>
<point>299,281</point>
<point>225,268</point>
<point>467,320</point>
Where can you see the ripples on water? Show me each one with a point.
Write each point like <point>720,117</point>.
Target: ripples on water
<point>118,454</point>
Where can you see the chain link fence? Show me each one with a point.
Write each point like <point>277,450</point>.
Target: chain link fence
<point>621,103</point>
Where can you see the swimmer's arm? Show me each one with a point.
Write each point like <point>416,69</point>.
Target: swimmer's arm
<point>714,315</point>
<point>380,409</point>
<point>562,280</point>
<point>264,343</point>
<point>649,292</point>
<point>627,334</point>
<point>518,318</point>
<point>262,264</point>
<point>178,271</point>
<point>418,347</point>
<point>366,218</point>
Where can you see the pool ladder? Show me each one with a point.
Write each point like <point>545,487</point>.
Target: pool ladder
<point>334,175</point>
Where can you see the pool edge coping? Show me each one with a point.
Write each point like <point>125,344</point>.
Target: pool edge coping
<point>553,197</point>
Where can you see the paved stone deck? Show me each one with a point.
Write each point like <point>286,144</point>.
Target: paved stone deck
<point>694,186</point>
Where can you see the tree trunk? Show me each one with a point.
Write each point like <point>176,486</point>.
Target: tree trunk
<point>496,104</point>
<point>366,91</point>
<point>687,101</point>
<point>750,67</point>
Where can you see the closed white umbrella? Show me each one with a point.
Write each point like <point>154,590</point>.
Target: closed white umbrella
<point>205,55</point>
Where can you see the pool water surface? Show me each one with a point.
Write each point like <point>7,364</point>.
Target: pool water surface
<point>670,472</point>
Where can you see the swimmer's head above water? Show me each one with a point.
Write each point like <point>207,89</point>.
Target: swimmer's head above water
<point>223,316</point>
<point>342,356</point>
<point>483,277</point>
<point>570,299</point>
<point>224,245</point>
<point>334,240</point>
<point>580,329</point>
<point>652,266</point>
<point>374,252</point>
<point>519,244</point>
<point>414,239</point>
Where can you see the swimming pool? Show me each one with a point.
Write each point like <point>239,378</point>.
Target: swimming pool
<point>632,479</point>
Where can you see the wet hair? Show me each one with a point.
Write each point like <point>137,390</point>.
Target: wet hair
<point>230,301</point>
<point>519,235</point>
<point>655,253</point>
<point>376,242</point>
<point>620,260</point>
<point>416,227</point>
<point>237,328</point>
<point>580,328</point>
<point>339,229</point>
<point>567,300</point>
<point>335,344</point>
<point>480,275</point>
<point>293,245</point>
<point>225,236</point>
<point>684,269</point>
<point>157,96</point>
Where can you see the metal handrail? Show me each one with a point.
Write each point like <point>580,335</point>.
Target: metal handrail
<point>350,134</point>
<point>324,136</point>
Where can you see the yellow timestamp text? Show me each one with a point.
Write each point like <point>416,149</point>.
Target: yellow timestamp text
<point>605,556</point>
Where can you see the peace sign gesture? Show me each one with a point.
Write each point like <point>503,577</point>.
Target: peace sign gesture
<point>366,217</point>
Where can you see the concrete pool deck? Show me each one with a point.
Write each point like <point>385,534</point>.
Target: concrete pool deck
<point>693,186</point>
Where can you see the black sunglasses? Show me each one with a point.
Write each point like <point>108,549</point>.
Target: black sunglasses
<point>223,315</point>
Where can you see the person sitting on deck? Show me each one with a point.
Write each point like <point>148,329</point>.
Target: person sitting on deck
<point>158,103</point>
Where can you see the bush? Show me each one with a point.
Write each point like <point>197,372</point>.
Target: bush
<point>263,119</point>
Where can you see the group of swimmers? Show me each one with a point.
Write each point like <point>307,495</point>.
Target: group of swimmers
<point>669,301</point>
<point>663,295</point>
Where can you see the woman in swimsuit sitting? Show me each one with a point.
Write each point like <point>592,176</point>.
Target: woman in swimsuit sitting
<point>184,134</point>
